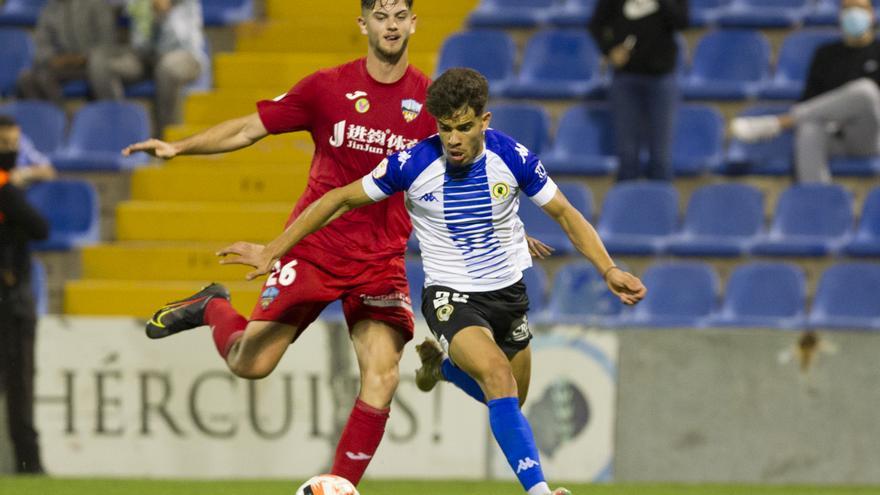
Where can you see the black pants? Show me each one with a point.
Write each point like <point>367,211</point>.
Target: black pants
<point>17,336</point>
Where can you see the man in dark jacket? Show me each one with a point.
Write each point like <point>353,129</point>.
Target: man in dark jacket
<point>20,223</point>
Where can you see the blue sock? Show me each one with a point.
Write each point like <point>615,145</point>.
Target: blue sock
<point>514,436</point>
<point>462,380</point>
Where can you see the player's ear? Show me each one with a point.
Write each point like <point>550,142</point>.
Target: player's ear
<point>412,25</point>
<point>362,23</point>
<point>486,119</point>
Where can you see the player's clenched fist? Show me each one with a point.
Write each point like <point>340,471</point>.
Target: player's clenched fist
<point>625,285</point>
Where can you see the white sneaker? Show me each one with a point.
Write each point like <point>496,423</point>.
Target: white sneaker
<point>758,128</point>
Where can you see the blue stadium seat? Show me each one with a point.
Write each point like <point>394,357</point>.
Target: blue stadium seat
<point>99,132</point>
<point>854,166</point>
<point>580,296</point>
<point>638,217</point>
<point>540,226</point>
<point>846,298</point>
<point>529,124</point>
<point>510,13</point>
<point>584,143</point>
<point>706,12</point>
<point>227,12</point>
<point>794,63</point>
<point>39,286</point>
<point>866,241</point>
<point>810,220</point>
<point>492,53</point>
<point>680,294</point>
<point>16,55</point>
<point>42,122</point>
<point>823,13</point>
<point>698,143</point>
<point>721,220</point>
<point>535,279</point>
<point>770,157</point>
<point>558,64</point>
<point>764,13</point>
<point>572,13</point>
<point>21,12</point>
<point>730,64</point>
<point>764,295</point>
<point>415,274</point>
<point>71,207</point>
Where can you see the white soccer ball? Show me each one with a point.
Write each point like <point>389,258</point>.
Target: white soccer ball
<point>327,484</point>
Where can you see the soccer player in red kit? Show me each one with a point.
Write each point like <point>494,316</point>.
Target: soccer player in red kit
<point>357,114</point>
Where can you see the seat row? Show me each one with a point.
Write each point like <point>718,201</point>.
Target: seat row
<point>214,12</point>
<point>727,64</point>
<point>734,13</point>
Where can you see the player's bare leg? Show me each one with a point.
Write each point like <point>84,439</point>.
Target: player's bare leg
<point>521,363</point>
<point>378,347</point>
<point>257,351</point>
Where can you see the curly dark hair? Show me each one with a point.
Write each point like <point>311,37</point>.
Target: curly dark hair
<point>7,121</point>
<point>456,88</point>
<point>369,4</point>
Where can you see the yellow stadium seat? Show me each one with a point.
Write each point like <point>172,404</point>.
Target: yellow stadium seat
<point>427,9</point>
<point>155,260</point>
<point>253,184</point>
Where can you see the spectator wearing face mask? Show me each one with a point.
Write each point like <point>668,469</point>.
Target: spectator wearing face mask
<point>839,112</point>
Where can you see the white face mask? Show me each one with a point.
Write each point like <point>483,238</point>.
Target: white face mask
<point>855,22</point>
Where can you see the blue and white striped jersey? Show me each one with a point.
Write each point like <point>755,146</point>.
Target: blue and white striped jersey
<point>465,217</point>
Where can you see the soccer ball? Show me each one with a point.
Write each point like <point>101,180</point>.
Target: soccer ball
<point>327,484</point>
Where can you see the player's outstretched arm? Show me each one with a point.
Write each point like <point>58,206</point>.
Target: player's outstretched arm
<point>323,211</point>
<point>586,240</point>
<point>227,136</point>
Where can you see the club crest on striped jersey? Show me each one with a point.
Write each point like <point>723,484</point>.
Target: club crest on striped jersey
<point>500,190</point>
<point>411,109</point>
<point>380,169</point>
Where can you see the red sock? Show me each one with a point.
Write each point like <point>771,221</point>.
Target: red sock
<point>359,441</point>
<point>226,324</point>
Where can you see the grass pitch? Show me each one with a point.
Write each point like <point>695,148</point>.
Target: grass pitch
<point>64,486</point>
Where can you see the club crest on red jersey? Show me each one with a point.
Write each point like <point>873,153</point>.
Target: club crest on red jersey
<point>411,109</point>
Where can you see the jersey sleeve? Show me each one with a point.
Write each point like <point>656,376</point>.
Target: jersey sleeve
<point>291,111</point>
<point>386,179</point>
<point>532,177</point>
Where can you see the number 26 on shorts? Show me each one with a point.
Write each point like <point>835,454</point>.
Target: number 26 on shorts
<point>283,275</point>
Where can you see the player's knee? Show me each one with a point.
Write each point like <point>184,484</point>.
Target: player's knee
<point>499,382</point>
<point>381,381</point>
<point>250,370</point>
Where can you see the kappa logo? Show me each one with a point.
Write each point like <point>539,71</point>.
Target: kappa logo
<point>403,157</point>
<point>360,456</point>
<point>355,95</point>
<point>429,198</point>
<point>526,464</point>
<point>523,151</point>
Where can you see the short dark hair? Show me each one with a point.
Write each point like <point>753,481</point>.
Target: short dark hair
<point>7,121</point>
<point>456,88</point>
<point>369,4</point>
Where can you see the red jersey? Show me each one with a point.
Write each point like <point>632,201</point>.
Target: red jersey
<point>355,122</point>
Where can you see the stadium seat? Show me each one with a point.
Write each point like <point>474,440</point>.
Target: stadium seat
<point>42,122</point>
<point>846,298</point>
<point>558,64</point>
<point>706,12</point>
<point>764,13</point>
<point>866,241</point>
<point>854,166</point>
<point>39,286</point>
<point>21,12</point>
<point>793,63</point>
<point>638,217</point>
<point>572,13</point>
<point>823,13</point>
<point>510,13</point>
<point>71,207</point>
<point>535,279</point>
<point>580,296</point>
<point>730,64</point>
<point>760,294</point>
<point>16,54</point>
<point>810,220</point>
<point>529,124</point>
<point>721,220</point>
<point>698,143</point>
<point>770,157</point>
<point>492,53</point>
<point>98,133</point>
<point>680,294</point>
<point>227,12</point>
<point>584,143</point>
<point>540,226</point>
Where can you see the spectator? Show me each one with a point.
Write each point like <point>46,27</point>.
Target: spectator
<point>31,165</point>
<point>19,224</point>
<point>839,112</point>
<point>167,45</point>
<point>638,40</point>
<point>67,32</point>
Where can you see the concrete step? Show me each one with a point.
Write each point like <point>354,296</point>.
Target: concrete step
<point>246,184</point>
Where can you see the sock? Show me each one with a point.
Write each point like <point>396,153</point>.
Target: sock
<point>226,324</point>
<point>462,380</point>
<point>359,441</point>
<point>514,436</point>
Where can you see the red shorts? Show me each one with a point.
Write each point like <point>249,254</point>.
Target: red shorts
<point>297,290</point>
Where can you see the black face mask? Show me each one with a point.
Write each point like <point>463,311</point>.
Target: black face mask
<point>8,159</point>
